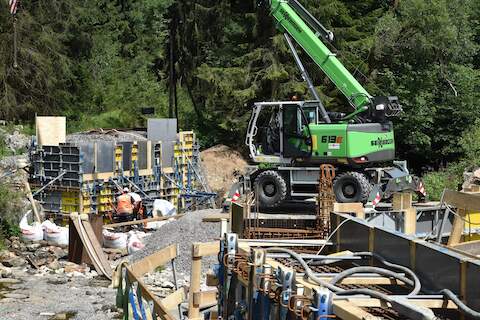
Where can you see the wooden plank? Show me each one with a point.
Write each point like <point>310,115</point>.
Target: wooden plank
<point>462,200</point>
<point>75,245</point>
<point>427,303</point>
<point>410,220</point>
<point>193,309</point>
<point>97,248</point>
<point>348,311</point>
<point>212,280</point>
<point>471,247</point>
<point>50,131</point>
<point>149,155</point>
<point>36,215</point>
<point>205,249</point>
<point>131,223</point>
<point>457,228</point>
<point>354,207</point>
<point>86,247</point>
<point>216,217</point>
<point>153,261</point>
<point>366,280</point>
<point>402,201</point>
<point>158,306</point>
<point>172,301</point>
<point>204,299</point>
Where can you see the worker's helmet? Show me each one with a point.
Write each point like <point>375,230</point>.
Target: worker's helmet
<point>126,190</point>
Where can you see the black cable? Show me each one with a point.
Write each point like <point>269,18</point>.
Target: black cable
<point>380,271</point>
<point>417,286</point>
<point>469,312</point>
<point>402,307</point>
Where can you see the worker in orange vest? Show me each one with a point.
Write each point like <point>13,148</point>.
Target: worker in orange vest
<point>125,206</point>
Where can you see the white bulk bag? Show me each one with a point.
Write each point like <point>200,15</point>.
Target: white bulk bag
<point>32,232</point>
<point>55,234</point>
<point>114,240</point>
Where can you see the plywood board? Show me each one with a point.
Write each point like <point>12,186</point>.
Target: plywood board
<point>50,131</point>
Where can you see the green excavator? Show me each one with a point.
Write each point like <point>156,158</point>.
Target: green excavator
<point>288,140</point>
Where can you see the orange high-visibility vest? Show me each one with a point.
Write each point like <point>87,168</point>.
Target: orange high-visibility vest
<point>124,204</point>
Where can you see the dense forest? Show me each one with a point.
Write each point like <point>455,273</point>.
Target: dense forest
<point>100,62</point>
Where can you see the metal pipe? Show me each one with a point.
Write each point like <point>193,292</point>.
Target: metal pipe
<point>49,183</point>
<point>174,272</point>
<point>307,78</point>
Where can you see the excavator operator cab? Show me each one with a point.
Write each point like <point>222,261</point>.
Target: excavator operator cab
<point>278,132</point>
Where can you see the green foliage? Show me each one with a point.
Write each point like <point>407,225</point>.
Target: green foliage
<point>10,206</point>
<point>424,53</point>
<point>100,62</point>
<point>470,144</point>
<point>436,182</point>
<point>452,176</point>
<point>83,59</point>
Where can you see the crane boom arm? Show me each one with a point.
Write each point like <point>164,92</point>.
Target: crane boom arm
<point>297,22</point>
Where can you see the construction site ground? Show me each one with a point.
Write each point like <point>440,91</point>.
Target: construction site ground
<point>62,290</point>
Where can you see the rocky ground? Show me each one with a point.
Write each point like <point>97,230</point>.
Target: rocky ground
<point>37,281</point>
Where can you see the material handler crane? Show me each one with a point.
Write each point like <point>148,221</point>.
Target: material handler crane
<point>289,139</point>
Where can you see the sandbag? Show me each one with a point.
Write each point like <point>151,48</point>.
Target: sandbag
<point>32,232</point>
<point>134,244</point>
<point>114,240</point>
<point>163,208</point>
<point>55,234</point>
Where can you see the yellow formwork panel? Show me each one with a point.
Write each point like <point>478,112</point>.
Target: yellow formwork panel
<point>105,199</point>
<point>134,155</point>
<point>104,208</point>
<point>118,157</point>
<point>186,136</point>
<point>105,192</point>
<point>472,223</point>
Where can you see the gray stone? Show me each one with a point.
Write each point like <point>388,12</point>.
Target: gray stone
<point>15,296</point>
<point>14,262</point>
<point>33,246</point>
<point>54,265</point>
<point>168,284</point>
<point>9,281</point>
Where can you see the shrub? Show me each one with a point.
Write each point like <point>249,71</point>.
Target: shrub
<point>436,181</point>
<point>10,209</point>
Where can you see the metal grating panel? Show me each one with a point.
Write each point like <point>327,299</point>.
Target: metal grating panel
<point>142,155</point>
<point>87,150</point>
<point>105,156</point>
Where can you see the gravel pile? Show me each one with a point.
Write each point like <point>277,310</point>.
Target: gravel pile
<point>106,135</point>
<point>183,232</point>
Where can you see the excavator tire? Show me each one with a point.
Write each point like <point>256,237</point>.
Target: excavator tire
<point>351,187</point>
<point>271,188</point>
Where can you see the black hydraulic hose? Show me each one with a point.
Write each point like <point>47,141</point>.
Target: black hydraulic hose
<point>466,310</point>
<point>384,272</point>
<point>311,275</point>
<point>445,292</point>
<point>404,308</point>
<point>417,284</point>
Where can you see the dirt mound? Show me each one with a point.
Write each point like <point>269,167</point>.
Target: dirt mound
<point>220,164</point>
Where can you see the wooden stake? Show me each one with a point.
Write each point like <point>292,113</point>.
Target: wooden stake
<point>32,201</point>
